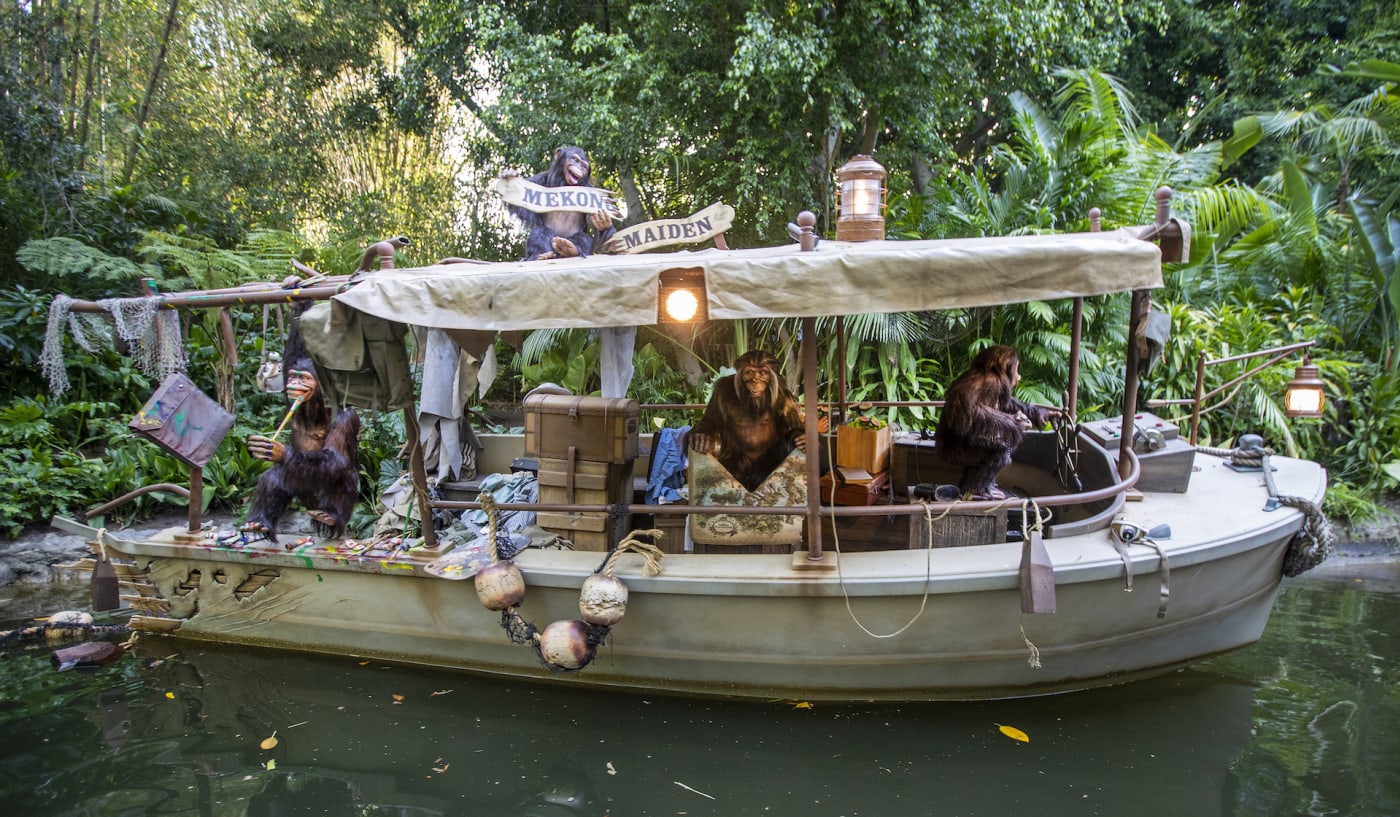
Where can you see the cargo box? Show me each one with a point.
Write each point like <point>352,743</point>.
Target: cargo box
<point>598,429</point>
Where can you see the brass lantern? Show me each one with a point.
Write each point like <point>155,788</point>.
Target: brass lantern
<point>861,202</point>
<point>1305,396</point>
<point>682,296</point>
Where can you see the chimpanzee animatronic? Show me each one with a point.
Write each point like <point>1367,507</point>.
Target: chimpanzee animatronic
<point>752,421</point>
<point>561,234</point>
<point>982,422</point>
<point>321,468</point>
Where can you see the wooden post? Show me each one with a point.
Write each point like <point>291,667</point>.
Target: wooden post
<point>1200,395</point>
<point>839,416</point>
<point>196,516</point>
<point>1137,314</point>
<point>809,406</point>
<point>1076,333</point>
<point>419,475</point>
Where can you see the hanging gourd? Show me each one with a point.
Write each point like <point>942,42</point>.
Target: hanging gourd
<point>565,645</point>
<point>602,599</point>
<point>500,585</point>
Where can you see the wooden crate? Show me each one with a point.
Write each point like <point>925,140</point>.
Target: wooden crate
<point>672,527</point>
<point>565,482</point>
<point>864,448</point>
<point>597,429</point>
<point>958,529</point>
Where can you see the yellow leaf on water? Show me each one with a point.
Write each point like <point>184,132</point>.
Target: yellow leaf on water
<point>170,695</point>
<point>397,697</point>
<point>270,742</point>
<point>271,764</point>
<point>1014,733</point>
<point>802,705</point>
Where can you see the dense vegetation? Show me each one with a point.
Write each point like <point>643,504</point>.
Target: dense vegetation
<point>209,142</point>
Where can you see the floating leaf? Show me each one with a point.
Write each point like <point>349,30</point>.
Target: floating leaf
<point>802,705</point>
<point>268,743</point>
<point>170,695</point>
<point>398,699</point>
<point>271,764</point>
<point>1014,733</point>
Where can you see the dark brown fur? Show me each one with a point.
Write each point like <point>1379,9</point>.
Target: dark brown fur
<point>320,469</point>
<point>573,227</point>
<point>978,428</point>
<point>754,434</point>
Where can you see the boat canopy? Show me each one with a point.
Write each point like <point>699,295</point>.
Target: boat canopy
<point>836,278</point>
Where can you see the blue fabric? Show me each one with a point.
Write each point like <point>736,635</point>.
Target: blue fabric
<point>667,466</point>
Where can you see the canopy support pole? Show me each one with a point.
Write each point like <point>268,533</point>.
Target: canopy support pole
<point>810,420</point>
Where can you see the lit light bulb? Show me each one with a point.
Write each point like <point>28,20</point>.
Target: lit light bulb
<point>681,305</point>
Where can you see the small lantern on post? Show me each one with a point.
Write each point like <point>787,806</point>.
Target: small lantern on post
<point>1305,396</point>
<point>861,203</point>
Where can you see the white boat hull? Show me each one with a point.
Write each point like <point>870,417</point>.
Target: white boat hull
<point>922,624</point>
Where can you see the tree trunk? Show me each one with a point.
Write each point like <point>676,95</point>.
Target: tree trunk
<point>94,43</point>
<point>631,195</point>
<point>144,111</point>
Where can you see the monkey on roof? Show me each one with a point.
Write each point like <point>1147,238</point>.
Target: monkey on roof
<point>562,234</point>
<point>752,421</point>
<point>982,422</point>
<point>320,468</point>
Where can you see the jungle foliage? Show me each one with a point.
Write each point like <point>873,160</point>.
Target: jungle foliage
<point>205,143</point>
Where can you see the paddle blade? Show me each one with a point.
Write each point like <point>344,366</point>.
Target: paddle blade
<point>1037,576</point>
<point>106,595</point>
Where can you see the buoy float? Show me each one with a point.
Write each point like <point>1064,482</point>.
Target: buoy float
<point>602,599</point>
<point>564,644</point>
<point>500,586</point>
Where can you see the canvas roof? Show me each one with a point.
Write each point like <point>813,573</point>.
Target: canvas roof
<point>837,278</point>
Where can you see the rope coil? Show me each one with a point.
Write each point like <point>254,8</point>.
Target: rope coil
<point>1315,540</point>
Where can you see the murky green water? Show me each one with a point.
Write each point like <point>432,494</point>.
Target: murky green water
<point>1305,722</point>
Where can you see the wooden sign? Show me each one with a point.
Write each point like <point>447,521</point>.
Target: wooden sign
<point>650,235</point>
<point>540,199</point>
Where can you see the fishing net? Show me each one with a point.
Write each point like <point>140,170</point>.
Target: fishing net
<point>152,335</point>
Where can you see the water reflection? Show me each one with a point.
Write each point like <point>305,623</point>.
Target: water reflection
<point>1301,723</point>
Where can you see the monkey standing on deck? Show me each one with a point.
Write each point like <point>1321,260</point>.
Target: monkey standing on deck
<point>561,234</point>
<point>321,467</point>
<point>752,421</point>
<point>982,422</point>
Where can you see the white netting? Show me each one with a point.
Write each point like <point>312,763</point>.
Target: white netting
<point>152,334</point>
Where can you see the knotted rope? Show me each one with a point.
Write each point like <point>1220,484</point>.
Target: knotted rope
<point>1315,540</point>
<point>635,544</point>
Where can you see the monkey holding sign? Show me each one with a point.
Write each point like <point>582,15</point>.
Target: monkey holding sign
<point>560,233</point>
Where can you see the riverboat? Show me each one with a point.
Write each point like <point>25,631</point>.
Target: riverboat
<point>1122,552</point>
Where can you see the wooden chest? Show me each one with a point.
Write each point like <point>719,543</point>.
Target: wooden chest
<point>873,492</point>
<point>566,482</point>
<point>597,429</point>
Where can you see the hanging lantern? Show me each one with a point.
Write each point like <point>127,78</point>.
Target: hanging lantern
<point>682,296</point>
<point>1305,396</point>
<point>861,200</point>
